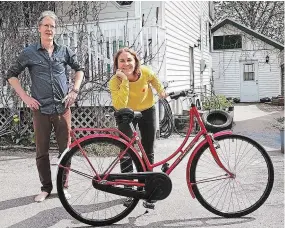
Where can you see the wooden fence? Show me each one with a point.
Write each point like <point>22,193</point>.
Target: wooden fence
<point>82,117</point>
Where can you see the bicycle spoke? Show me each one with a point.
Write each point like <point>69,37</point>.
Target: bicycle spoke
<point>86,201</point>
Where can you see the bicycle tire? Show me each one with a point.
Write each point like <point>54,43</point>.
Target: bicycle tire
<point>82,211</point>
<point>256,194</point>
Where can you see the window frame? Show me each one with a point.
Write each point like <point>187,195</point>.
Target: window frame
<point>122,6</point>
<point>230,48</point>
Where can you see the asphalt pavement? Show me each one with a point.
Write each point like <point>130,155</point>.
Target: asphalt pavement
<point>20,183</point>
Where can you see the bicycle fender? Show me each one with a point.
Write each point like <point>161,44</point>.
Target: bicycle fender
<point>196,149</point>
<point>74,144</point>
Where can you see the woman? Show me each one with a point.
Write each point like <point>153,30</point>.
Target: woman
<point>131,88</point>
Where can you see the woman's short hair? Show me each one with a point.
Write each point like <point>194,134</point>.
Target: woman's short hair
<point>133,53</point>
<point>47,13</point>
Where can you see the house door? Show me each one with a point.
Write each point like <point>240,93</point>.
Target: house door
<point>249,81</point>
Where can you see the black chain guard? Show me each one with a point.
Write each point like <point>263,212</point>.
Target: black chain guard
<point>158,185</point>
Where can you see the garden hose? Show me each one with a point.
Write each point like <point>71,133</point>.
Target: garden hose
<point>166,123</point>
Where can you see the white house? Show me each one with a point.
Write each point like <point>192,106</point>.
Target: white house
<point>173,37</point>
<point>246,64</point>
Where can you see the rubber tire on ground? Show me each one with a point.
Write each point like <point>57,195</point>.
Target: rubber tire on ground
<point>67,157</point>
<point>249,210</point>
<point>217,120</point>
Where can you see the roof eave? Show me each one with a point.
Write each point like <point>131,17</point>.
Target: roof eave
<point>249,31</point>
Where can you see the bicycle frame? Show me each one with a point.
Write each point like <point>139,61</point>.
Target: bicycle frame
<point>183,149</point>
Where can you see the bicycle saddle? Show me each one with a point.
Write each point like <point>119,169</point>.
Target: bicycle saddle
<point>126,115</point>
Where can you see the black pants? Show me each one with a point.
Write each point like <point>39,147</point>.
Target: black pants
<point>147,127</point>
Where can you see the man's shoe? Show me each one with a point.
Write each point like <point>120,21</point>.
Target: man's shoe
<point>66,194</point>
<point>41,197</point>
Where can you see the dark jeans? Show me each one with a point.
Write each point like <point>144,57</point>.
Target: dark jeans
<point>42,126</point>
<point>147,127</point>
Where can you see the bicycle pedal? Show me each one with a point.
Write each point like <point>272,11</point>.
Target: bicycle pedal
<point>148,205</point>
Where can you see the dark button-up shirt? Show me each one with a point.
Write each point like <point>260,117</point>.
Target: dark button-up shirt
<point>48,74</point>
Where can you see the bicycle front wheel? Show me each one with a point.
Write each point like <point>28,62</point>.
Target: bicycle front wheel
<point>238,196</point>
<point>74,181</point>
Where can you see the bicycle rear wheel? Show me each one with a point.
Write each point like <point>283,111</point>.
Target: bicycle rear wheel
<point>84,202</point>
<point>232,197</point>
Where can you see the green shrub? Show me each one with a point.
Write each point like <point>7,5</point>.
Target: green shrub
<point>217,102</point>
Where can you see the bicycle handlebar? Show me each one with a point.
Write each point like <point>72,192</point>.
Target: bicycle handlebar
<point>183,93</point>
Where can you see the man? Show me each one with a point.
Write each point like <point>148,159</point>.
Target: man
<point>50,98</point>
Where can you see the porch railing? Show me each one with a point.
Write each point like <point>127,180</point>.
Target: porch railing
<point>99,43</point>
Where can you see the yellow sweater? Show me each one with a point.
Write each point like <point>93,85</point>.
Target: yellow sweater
<point>136,95</point>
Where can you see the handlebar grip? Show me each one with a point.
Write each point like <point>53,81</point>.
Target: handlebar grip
<point>177,95</point>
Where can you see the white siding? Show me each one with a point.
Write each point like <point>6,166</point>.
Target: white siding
<point>182,23</point>
<point>226,73</point>
<point>148,9</point>
<point>226,64</point>
<point>107,11</point>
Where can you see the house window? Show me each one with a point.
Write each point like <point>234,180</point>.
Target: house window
<point>124,3</point>
<point>248,72</point>
<point>121,44</point>
<point>114,47</point>
<point>227,42</point>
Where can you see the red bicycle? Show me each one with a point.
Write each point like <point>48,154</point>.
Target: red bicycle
<point>230,175</point>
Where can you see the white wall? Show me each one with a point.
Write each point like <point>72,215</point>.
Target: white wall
<point>182,22</point>
<point>148,9</point>
<point>185,23</point>
<point>226,64</point>
<point>108,10</point>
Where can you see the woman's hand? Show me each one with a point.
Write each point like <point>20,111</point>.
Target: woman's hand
<point>162,95</point>
<point>121,75</point>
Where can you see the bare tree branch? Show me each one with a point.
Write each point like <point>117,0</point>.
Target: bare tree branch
<point>264,17</point>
